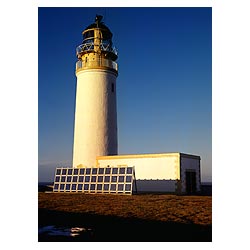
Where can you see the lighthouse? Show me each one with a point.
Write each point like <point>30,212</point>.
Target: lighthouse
<point>97,167</point>
<point>95,128</point>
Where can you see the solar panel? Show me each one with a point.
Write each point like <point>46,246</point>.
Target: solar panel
<point>101,171</point>
<point>64,171</point>
<point>94,171</point>
<point>115,180</point>
<point>88,170</point>
<point>79,187</point>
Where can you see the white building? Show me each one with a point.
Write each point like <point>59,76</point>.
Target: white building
<point>168,172</point>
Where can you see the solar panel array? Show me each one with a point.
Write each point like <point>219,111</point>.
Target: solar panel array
<point>118,180</point>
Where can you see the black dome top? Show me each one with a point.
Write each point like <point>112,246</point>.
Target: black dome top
<point>99,24</point>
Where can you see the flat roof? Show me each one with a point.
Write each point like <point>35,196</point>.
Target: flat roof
<point>148,156</point>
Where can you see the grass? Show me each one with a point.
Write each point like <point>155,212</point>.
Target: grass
<point>172,217</point>
<point>170,208</point>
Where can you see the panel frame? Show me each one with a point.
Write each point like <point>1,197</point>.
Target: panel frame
<point>113,184</point>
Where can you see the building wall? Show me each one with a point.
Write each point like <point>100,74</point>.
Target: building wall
<point>158,172</point>
<point>95,131</point>
<point>148,166</point>
<point>190,163</point>
<point>169,186</point>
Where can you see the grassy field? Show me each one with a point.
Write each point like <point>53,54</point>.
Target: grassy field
<point>148,217</point>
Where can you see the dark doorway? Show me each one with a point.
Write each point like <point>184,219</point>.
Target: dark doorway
<point>190,182</point>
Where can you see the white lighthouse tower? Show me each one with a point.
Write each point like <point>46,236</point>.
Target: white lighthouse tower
<point>95,132</point>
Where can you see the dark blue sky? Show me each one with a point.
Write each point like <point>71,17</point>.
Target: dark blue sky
<point>164,87</point>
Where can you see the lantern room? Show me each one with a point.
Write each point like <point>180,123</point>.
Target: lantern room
<point>97,38</point>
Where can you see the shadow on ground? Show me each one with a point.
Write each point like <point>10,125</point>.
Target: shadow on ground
<point>114,229</point>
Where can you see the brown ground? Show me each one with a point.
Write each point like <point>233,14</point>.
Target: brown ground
<point>159,217</point>
<point>183,209</point>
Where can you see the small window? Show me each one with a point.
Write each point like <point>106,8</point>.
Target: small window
<point>58,171</point>
<point>81,170</point>
<point>88,34</point>
<point>69,171</point>
<point>76,171</point>
<point>57,179</point>
<point>113,87</point>
<point>69,178</point>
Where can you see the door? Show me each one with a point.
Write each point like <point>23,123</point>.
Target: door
<point>190,182</point>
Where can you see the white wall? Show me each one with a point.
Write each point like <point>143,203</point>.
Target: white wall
<point>155,166</point>
<point>95,132</point>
